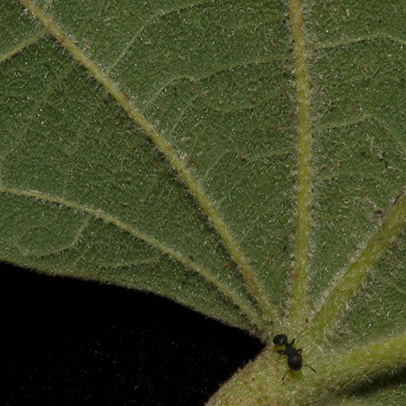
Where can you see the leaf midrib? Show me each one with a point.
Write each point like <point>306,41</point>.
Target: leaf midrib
<point>300,307</point>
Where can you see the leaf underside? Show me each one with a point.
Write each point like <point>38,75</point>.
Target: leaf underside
<point>161,146</point>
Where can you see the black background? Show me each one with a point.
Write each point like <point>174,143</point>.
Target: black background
<point>71,342</point>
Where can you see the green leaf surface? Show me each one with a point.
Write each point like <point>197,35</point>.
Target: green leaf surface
<point>245,158</point>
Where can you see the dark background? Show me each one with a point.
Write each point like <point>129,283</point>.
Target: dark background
<point>70,342</point>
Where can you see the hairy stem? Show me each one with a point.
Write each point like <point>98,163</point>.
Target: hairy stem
<point>260,383</point>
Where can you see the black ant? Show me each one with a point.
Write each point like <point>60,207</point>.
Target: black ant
<point>295,360</point>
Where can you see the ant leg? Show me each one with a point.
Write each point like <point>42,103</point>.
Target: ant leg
<point>286,373</point>
<point>299,350</point>
<point>310,367</point>
<point>280,353</point>
<point>293,341</point>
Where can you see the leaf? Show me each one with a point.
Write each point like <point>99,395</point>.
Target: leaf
<point>244,158</point>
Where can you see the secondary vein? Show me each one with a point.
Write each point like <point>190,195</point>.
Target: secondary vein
<point>300,297</point>
<point>227,291</point>
<point>22,45</point>
<point>351,281</point>
<point>254,284</point>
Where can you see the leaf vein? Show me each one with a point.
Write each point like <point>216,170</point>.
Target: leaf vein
<point>300,290</point>
<point>224,288</point>
<point>252,280</point>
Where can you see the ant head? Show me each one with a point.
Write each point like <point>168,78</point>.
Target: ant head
<point>280,339</point>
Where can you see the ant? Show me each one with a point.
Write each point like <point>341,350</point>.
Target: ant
<point>294,356</point>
